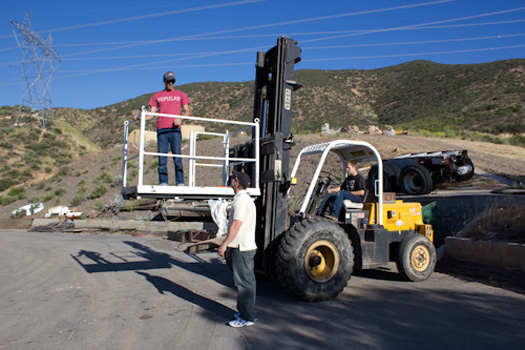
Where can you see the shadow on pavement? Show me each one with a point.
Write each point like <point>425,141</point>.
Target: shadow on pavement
<point>145,258</point>
<point>164,285</point>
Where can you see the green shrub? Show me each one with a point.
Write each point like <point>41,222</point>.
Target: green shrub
<point>17,192</point>
<point>18,214</point>
<point>7,200</point>
<point>97,192</point>
<point>59,192</point>
<point>131,175</point>
<point>116,160</point>
<point>35,199</point>
<point>5,183</point>
<point>105,177</point>
<point>76,201</point>
<point>47,197</point>
<point>117,181</point>
<point>64,171</point>
<point>517,140</point>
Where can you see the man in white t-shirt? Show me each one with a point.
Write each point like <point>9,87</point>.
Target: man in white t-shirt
<point>240,243</point>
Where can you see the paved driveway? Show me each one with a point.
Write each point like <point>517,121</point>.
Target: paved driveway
<point>67,291</point>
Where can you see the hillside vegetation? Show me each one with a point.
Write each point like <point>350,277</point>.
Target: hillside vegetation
<point>29,154</point>
<point>420,95</point>
<point>459,101</point>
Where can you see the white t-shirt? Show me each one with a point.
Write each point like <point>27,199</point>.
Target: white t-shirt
<point>243,209</point>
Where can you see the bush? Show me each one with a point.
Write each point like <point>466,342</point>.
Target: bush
<point>64,171</point>
<point>5,184</point>
<point>17,192</point>
<point>7,200</point>
<point>97,192</point>
<point>76,201</point>
<point>47,197</point>
<point>115,160</point>
<point>517,140</point>
<point>105,177</point>
<point>59,192</point>
<point>117,181</point>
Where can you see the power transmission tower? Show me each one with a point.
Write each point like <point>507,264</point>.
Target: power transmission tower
<point>38,63</point>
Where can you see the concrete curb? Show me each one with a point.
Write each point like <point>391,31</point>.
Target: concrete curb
<point>501,254</point>
<point>150,227</point>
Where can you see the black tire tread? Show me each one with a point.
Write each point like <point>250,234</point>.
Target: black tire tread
<point>293,278</point>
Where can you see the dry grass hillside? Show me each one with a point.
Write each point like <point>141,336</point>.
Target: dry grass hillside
<point>92,181</point>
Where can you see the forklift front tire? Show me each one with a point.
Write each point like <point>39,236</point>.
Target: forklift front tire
<point>416,258</point>
<point>314,260</point>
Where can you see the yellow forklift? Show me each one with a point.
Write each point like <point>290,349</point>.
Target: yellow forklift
<point>311,256</point>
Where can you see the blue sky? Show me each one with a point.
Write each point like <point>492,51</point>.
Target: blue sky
<point>115,50</point>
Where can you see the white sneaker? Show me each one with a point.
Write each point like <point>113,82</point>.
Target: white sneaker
<point>239,322</point>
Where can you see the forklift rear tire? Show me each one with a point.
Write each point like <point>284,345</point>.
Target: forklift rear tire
<point>416,258</point>
<point>315,260</point>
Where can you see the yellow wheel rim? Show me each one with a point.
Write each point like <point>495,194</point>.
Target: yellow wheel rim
<point>322,261</point>
<point>420,258</point>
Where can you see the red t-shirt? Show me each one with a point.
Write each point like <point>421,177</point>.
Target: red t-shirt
<point>168,102</point>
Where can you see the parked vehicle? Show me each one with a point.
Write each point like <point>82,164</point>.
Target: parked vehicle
<point>419,173</point>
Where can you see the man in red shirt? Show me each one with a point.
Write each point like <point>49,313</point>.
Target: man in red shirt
<point>169,101</point>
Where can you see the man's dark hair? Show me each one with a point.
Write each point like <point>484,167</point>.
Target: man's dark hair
<point>243,179</point>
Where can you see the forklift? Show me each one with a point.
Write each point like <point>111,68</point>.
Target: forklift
<point>312,257</point>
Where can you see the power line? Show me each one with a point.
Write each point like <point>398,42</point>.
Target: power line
<point>272,35</point>
<point>306,20</point>
<point>154,15</point>
<point>304,48</point>
<point>87,72</point>
<point>364,32</point>
<point>374,31</point>
<point>415,54</point>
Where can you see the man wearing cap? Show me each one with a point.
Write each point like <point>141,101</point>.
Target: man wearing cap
<point>240,243</point>
<point>169,101</point>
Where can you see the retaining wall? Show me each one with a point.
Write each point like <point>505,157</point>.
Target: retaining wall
<point>501,254</point>
<point>454,209</point>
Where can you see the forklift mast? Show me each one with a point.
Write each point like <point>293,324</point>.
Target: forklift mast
<point>274,87</point>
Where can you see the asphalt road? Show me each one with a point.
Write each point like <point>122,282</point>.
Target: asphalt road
<point>67,291</point>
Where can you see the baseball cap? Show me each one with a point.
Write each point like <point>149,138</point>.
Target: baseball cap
<point>242,178</point>
<point>169,76</point>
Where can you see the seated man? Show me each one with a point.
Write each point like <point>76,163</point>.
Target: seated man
<point>352,187</point>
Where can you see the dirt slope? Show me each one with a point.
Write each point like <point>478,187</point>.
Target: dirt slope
<point>502,160</point>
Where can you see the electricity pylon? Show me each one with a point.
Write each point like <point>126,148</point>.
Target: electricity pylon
<point>38,64</point>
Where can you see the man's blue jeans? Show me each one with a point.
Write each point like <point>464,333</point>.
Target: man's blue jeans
<point>244,279</point>
<point>338,199</point>
<point>169,139</point>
